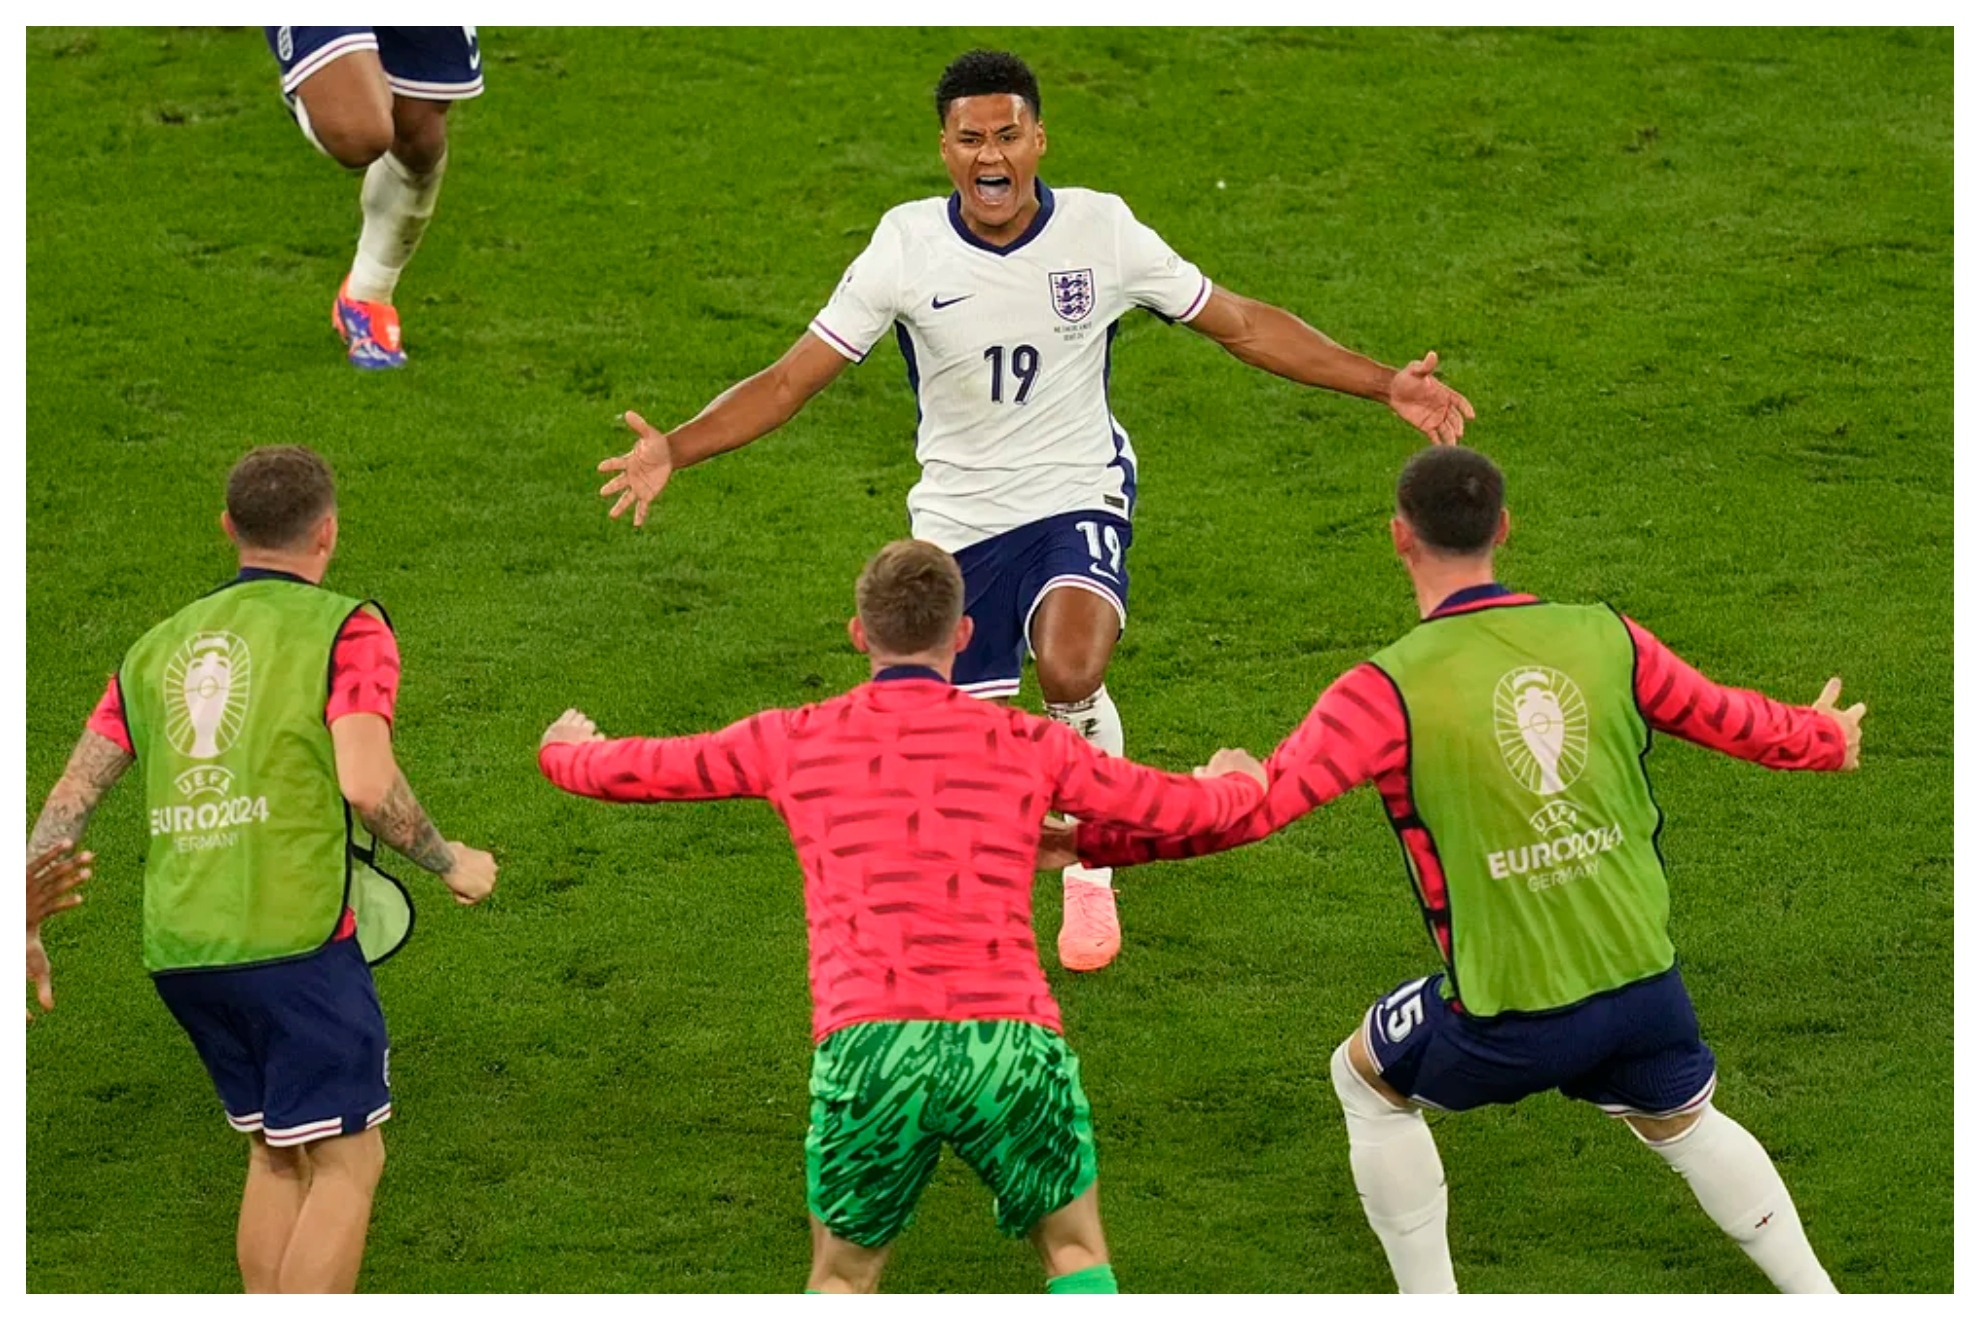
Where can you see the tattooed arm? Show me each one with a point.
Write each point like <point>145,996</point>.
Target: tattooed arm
<point>376,788</point>
<point>93,767</point>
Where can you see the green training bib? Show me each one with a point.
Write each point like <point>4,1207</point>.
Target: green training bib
<point>252,856</point>
<point>1526,775</point>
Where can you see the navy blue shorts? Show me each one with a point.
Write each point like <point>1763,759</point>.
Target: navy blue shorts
<point>296,1049</point>
<point>1006,576</point>
<point>1632,1051</point>
<point>421,63</point>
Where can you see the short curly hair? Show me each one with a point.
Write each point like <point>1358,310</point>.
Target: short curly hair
<point>277,494</point>
<point>985,73</point>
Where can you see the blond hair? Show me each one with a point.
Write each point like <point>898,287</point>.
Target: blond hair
<point>910,598</point>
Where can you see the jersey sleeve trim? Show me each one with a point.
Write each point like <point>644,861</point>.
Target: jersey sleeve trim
<point>824,332</point>
<point>1202,301</point>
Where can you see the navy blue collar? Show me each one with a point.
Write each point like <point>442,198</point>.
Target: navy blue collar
<point>1471,596</point>
<point>892,672</point>
<point>271,575</point>
<point>1031,231</point>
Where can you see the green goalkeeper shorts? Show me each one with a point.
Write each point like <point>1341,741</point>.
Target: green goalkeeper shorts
<point>886,1096</point>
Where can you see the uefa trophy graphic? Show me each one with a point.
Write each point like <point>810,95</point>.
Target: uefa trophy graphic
<point>1541,727</point>
<point>206,694</point>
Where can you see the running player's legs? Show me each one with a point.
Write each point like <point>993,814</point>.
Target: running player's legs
<point>1075,593</point>
<point>992,665</point>
<point>1013,1108</point>
<point>376,100</point>
<point>297,1051</point>
<point>1660,1082</point>
<point>868,1152</point>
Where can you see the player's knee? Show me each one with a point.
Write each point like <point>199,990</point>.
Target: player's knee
<point>1360,1097</point>
<point>354,144</point>
<point>419,134</point>
<point>1063,678</point>
<point>1658,1131</point>
<point>359,1158</point>
<point>277,1161</point>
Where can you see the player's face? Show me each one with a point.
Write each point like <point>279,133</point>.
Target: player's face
<point>991,146</point>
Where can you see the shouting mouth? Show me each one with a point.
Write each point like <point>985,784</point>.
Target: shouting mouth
<point>992,190</point>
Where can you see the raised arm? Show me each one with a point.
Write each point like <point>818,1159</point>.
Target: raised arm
<point>1275,340</point>
<point>738,761</point>
<point>744,412</point>
<point>1354,734</point>
<point>1678,700</point>
<point>371,781</point>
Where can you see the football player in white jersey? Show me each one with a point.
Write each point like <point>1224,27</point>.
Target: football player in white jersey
<point>1004,297</point>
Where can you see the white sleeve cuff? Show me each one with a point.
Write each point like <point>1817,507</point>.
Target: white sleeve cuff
<point>838,342</point>
<point>1202,300</point>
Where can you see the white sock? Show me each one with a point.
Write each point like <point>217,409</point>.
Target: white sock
<point>1740,1189</point>
<point>1401,1181</point>
<point>1097,720</point>
<point>397,205</point>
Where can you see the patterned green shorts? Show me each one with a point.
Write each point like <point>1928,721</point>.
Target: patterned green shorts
<point>885,1096</point>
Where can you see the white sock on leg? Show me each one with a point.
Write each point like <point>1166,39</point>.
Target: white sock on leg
<point>397,205</point>
<point>1738,1186</point>
<point>1401,1181</point>
<point>1097,720</point>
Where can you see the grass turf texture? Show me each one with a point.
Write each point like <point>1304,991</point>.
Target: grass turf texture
<point>1699,286</point>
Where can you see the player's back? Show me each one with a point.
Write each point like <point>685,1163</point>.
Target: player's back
<point>915,810</point>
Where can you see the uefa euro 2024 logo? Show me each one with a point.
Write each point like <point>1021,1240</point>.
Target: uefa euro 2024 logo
<point>206,694</point>
<point>1542,725</point>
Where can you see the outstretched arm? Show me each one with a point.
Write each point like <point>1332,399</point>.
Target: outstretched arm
<point>1275,340</point>
<point>1677,699</point>
<point>735,762</point>
<point>744,412</point>
<point>94,765</point>
<point>1355,733</point>
<point>1141,801</point>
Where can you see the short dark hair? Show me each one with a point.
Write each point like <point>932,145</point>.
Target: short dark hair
<point>1451,498</point>
<point>985,73</point>
<point>277,493</point>
<point>910,598</point>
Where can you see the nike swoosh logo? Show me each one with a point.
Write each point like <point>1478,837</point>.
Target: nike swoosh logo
<point>938,304</point>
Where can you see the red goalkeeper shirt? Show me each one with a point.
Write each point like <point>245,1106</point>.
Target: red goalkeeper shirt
<point>915,811</point>
<point>1358,733</point>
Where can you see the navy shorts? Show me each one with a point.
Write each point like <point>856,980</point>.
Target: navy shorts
<point>296,1049</point>
<point>421,63</point>
<point>1632,1051</point>
<point>1006,576</point>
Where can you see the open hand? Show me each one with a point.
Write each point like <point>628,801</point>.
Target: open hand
<point>643,471</point>
<point>1234,761</point>
<point>1056,840</point>
<point>573,726</point>
<point>52,879</point>
<point>473,875</point>
<point>1427,404</point>
<point>1849,721</point>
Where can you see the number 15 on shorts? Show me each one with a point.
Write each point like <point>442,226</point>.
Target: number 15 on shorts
<point>1402,1012</point>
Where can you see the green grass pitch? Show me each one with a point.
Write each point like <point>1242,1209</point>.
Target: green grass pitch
<point>1699,286</point>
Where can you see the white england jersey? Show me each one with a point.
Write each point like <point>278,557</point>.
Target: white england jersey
<point>1007,350</point>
